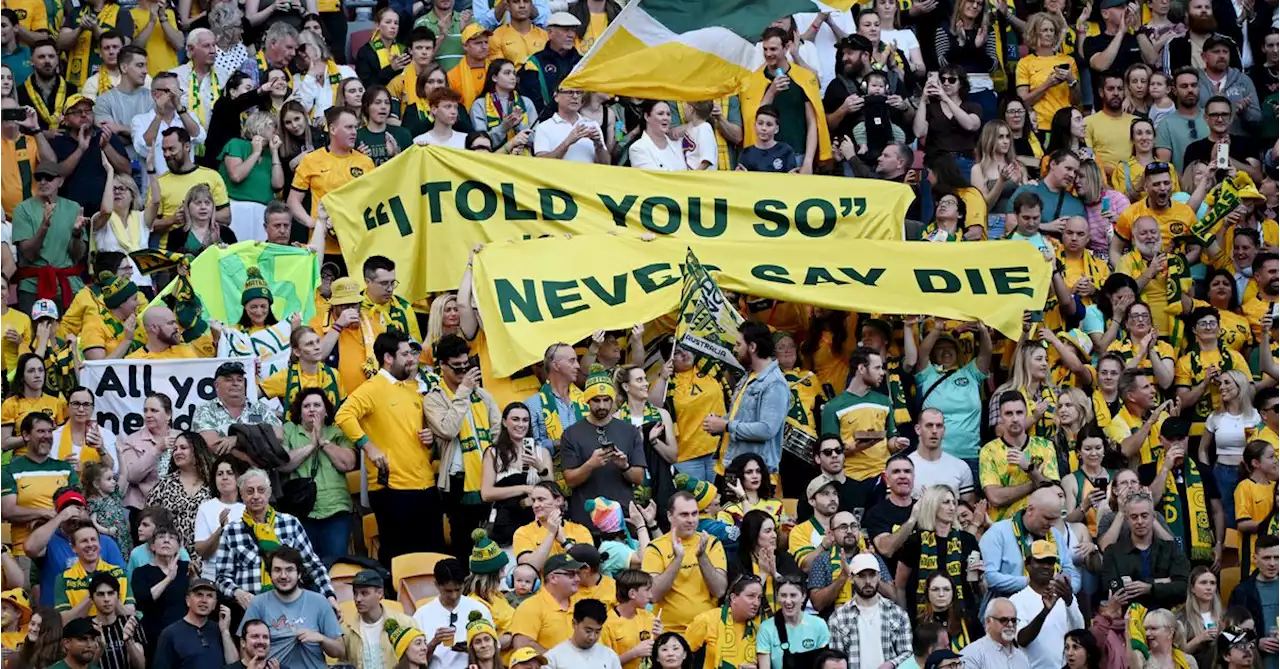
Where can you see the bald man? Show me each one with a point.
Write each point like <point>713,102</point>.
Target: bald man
<point>164,338</point>
<point>1006,544</point>
<point>998,648</point>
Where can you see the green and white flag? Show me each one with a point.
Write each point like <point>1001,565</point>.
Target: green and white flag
<point>708,324</point>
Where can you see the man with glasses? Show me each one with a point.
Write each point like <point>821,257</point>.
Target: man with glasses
<point>202,638</point>
<point>999,647</point>
<point>1047,609</point>
<point>466,419</point>
<point>382,309</point>
<point>1176,131</point>
<point>1187,497</point>
<point>601,456</point>
<point>444,619</point>
<point>828,455</point>
<point>1267,402</point>
<point>51,238</point>
<point>1199,371</point>
<point>545,620</point>
<point>304,626</point>
<point>830,580</point>
<point>1140,567</point>
<point>1219,112</point>
<point>231,406</point>
<point>871,628</point>
<point>567,135</point>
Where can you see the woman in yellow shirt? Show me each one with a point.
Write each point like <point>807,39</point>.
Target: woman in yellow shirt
<point>746,478</point>
<point>1255,498</point>
<point>1127,176</point>
<point>729,632</point>
<point>1046,79</point>
<point>305,370</point>
<point>827,347</point>
<point>26,394</point>
<point>1221,295</point>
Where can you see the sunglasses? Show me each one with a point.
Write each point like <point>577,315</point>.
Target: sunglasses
<point>1191,129</point>
<point>831,451</point>
<point>949,80</point>
<point>44,177</point>
<point>1004,620</point>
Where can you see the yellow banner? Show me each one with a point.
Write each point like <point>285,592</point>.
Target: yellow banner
<point>427,208</point>
<point>538,292</point>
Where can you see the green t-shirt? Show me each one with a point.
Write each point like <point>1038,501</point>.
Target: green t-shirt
<point>449,47</point>
<point>56,250</point>
<point>791,116</point>
<point>331,485</point>
<point>377,142</point>
<point>257,186</point>
<point>62,664</point>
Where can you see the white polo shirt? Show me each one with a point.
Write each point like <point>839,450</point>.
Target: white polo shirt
<point>550,133</point>
<point>433,616</point>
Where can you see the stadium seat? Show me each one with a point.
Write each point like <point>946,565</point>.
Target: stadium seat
<point>370,527</point>
<point>414,578</point>
<point>789,506</point>
<point>355,40</point>
<point>1228,579</point>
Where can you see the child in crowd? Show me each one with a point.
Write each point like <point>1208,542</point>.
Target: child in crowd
<point>525,578</point>
<point>876,130</point>
<point>106,504</point>
<point>700,149</point>
<point>1159,88</point>
<point>768,154</point>
<point>150,518</point>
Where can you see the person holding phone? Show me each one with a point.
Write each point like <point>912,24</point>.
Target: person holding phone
<point>1046,79</point>
<point>602,455</point>
<point>513,467</point>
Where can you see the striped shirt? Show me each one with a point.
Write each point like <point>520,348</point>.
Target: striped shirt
<point>115,651</point>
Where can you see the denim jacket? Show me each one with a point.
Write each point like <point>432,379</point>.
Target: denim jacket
<point>756,427</point>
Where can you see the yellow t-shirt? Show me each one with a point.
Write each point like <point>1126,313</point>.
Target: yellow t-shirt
<point>1187,374</point>
<point>605,590</point>
<point>1135,174</point>
<point>1269,230</point>
<point>32,14</point>
<point>1175,221</point>
<point>832,367</point>
<point>1254,309</point>
<point>1124,424</point>
<point>468,81</point>
<point>540,618</point>
<point>732,643</point>
<point>200,348</point>
<point>389,414</point>
<point>17,168</point>
<point>16,407</point>
<point>1035,70</point>
<point>507,42</point>
<point>1235,331</point>
<point>622,634</point>
<point>161,56</point>
<point>85,302</point>
<point>350,351</point>
<point>695,396</point>
<point>528,537</point>
<point>595,28</point>
<point>1128,348</point>
<point>174,187</point>
<point>1154,294</point>
<point>1255,501</point>
<point>994,470</point>
<point>322,172</point>
<point>9,352</point>
<point>689,594</point>
<point>1108,136</point>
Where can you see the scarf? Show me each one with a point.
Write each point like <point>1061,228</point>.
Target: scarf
<point>128,231</point>
<point>650,413</point>
<point>1047,426</point>
<point>1034,141</point>
<point>474,438</point>
<point>265,534</point>
<point>929,563</point>
<point>932,229</point>
<point>726,637</point>
<point>293,386</point>
<point>410,94</point>
<point>804,385</point>
<point>1196,528</point>
<point>1094,267</point>
<point>194,102</point>
<point>1177,285</point>
<point>382,51</point>
<point>1225,363</point>
<point>104,81</point>
<point>1024,539</point>
<point>555,430</point>
<point>394,314</point>
<point>493,113</point>
<point>723,160</point>
<point>83,56</point>
<point>51,119</point>
<point>897,391</point>
<point>263,66</point>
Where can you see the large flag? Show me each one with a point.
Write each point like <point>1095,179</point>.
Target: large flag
<point>708,324</point>
<point>687,50</point>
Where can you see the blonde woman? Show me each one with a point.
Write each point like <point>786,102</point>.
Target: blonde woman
<point>1074,411</point>
<point>997,174</point>
<point>1031,378</point>
<point>442,320</point>
<point>938,544</point>
<point>1127,175</point>
<point>194,229</point>
<point>317,87</point>
<point>1165,639</point>
<point>252,169</point>
<point>1047,80</point>
<point>1137,92</point>
<point>1227,431</point>
<point>1102,205</point>
<point>1201,617</point>
<point>119,224</point>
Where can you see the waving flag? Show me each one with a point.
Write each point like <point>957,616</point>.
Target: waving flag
<point>686,50</point>
<point>708,324</point>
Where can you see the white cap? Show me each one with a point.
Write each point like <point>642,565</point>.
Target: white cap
<point>864,562</point>
<point>44,309</point>
<point>563,20</point>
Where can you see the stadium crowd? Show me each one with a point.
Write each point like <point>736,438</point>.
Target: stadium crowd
<point>871,491</point>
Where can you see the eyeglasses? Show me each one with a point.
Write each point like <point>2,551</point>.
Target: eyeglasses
<point>80,405</point>
<point>1207,323</point>
<point>1004,621</point>
<point>949,80</point>
<point>389,284</point>
<point>1218,115</point>
<point>1271,407</point>
<point>1158,165</point>
<point>843,527</point>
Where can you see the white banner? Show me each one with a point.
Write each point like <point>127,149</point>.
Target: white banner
<point>121,386</point>
<point>271,346</point>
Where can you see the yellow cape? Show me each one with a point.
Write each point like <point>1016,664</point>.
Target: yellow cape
<point>753,92</point>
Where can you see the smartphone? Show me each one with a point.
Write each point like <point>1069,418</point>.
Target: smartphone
<point>1224,157</point>
<point>1106,206</point>
<point>15,114</point>
<point>1099,484</point>
<point>1037,316</point>
<point>1064,67</point>
<point>529,446</point>
<point>730,480</point>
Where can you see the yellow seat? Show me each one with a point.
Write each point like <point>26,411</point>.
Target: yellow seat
<point>414,577</point>
<point>1228,579</point>
<point>353,481</point>
<point>370,527</point>
<point>423,602</point>
<point>344,571</point>
<point>790,505</point>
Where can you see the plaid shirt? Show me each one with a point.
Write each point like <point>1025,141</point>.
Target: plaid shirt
<point>238,561</point>
<point>895,632</point>
<point>212,416</point>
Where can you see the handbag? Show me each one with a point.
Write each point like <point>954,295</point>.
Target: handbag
<point>298,494</point>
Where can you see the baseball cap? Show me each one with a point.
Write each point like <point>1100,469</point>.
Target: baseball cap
<point>855,42</point>
<point>74,100</point>
<point>44,309</point>
<point>526,654</point>
<point>368,578</point>
<point>1216,40</point>
<point>586,554</point>
<point>563,20</point>
<point>1043,550</point>
<point>200,584</point>
<point>1175,428</point>
<point>937,657</point>
<point>473,31</point>
<point>229,369</point>
<point>1112,4</point>
<point>48,169</point>
<point>79,628</point>
<point>864,562</point>
<point>560,562</point>
<point>818,483</point>
<point>71,496</point>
